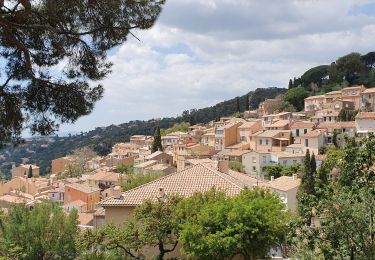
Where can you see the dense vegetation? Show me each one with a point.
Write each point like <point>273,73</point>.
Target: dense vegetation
<point>349,70</point>
<point>42,150</point>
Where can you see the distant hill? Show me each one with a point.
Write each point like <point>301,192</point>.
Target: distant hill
<point>42,150</point>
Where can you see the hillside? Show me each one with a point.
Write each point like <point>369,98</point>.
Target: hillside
<point>42,150</point>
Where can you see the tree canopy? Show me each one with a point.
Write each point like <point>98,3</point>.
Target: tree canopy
<point>37,38</point>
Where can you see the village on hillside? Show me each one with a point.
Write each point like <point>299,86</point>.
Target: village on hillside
<point>264,148</point>
<point>229,154</point>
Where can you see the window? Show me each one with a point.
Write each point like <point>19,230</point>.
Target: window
<point>260,141</point>
<point>266,141</point>
<point>305,131</point>
<point>264,159</point>
<point>254,168</point>
<point>306,142</point>
<point>254,160</point>
<point>297,132</point>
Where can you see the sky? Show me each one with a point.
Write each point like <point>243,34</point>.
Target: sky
<point>201,52</point>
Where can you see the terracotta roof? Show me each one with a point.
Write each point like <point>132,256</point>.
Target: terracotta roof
<point>13,199</point>
<point>315,97</point>
<point>81,187</point>
<point>314,133</point>
<point>279,123</point>
<point>85,218</point>
<point>198,178</point>
<point>354,87</point>
<point>78,203</point>
<point>272,133</point>
<point>104,176</point>
<point>287,154</point>
<point>285,183</point>
<point>334,92</point>
<point>363,115</point>
<point>247,124</point>
<point>369,90</point>
<point>245,179</point>
<point>302,124</point>
<point>153,155</point>
<point>348,124</point>
<point>232,152</point>
<point>146,164</point>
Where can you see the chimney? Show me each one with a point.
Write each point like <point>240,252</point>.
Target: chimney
<point>272,178</point>
<point>223,166</point>
<point>294,177</point>
<point>161,193</point>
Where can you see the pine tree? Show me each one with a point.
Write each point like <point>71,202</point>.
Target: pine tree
<point>156,145</point>
<point>30,173</point>
<point>238,104</point>
<point>290,85</point>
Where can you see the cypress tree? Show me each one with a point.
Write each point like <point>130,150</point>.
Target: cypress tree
<point>311,176</point>
<point>238,104</point>
<point>290,85</point>
<point>30,173</point>
<point>248,102</point>
<point>156,145</point>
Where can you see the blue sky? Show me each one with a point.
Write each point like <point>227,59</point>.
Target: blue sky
<point>201,52</point>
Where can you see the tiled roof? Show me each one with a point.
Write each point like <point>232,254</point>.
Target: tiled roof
<point>335,92</point>
<point>284,183</point>
<point>271,133</point>
<point>295,146</point>
<point>153,155</point>
<point>81,187</point>
<point>315,97</point>
<point>245,179</point>
<point>369,90</point>
<point>302,124</point>
<point>85,218</point>
<point>287,154</point>
<point>247,124</point>
<point>145,164</point>
<point>234,152</point>
<point>314,133</point>
<point>348,124</point>
<point>198,178</point>
<point>363,115</point>
<point>354,87</point>
<point>279,123</point>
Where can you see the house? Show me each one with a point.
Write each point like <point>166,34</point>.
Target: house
<point>227,135</point>
<point>254,161</point>
<point>141,140</point>
<point>365,123</point>
<point>295,148</point>
<point>23,170</point>
<point>57,194</point>
<point>286,187</point>
<point>340,129</point>
<point>270,119</point>
<point>368,100</point>
<point>59,164</point>
<point>314,103</point>
<point>103,179</point>
<point>20,184</point>
<point>208,139</point>
<point>141,167</point>
<point>301,127</point>
<point>327,115</point>
<point>313,140</point>
<point>339,104</point>
<point>80,192</point>
<point>272,140</point>
<point>269,106</point>
<point>248,128</point>
<point>278,125</point>
<point>286,159</point>
<point>160,157</point>
<point>353,94</point>
<point>332,96</point>
<point>231,154</point>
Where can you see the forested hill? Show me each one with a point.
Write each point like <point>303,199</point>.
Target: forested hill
<point>42,150</point>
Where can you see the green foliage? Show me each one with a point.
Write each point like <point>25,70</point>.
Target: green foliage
<point>47,34</point>
<point>126,168</point>
<point>296,97</point>
<point>314,75</point>
<point>238,104</point>
<point>347,115</point>
<point>273,170</point>
<point>346,208</point>
<point>236,166</point>
<point>156,145</point>
<point>248,225</point>
<point>30,172</point>
<point>135,180</point>
<point>44,232</point>
<point>178,127</point>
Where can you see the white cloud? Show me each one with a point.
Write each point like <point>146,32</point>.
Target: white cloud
<point>202,52</point>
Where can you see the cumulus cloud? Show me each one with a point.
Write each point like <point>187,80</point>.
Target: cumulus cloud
<point>204,51</point>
